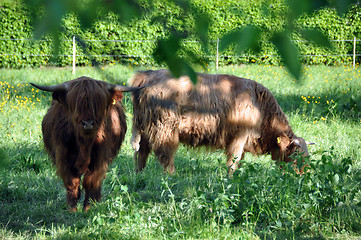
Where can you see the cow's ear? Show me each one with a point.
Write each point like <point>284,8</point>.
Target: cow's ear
<point>116,96</point>
<point>60,96</point>
<point>283,142</point>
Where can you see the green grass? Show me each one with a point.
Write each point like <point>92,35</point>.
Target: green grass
<point>199,201</point>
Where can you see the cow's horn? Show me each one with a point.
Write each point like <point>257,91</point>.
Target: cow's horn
<point>296,142</point>
<point>53,88</point>
<point>124,88</point>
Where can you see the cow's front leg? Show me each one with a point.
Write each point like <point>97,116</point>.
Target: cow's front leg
<point>70,177</point>
<point>92,184</point>
<point>235,154</point>
<point>72,185</point>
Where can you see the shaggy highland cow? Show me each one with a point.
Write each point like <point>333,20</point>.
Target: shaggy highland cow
<point>221,111</point>
<point>83,131</point>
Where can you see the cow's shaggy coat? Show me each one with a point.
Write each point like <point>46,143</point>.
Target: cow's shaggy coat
<point>221,111</point>
<point>83,131</point>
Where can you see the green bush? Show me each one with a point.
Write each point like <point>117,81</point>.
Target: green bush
<point>16,46</point>
<point>110,40</point>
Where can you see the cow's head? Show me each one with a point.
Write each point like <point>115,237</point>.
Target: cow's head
<point>288,146</point>
<point>86,101</point>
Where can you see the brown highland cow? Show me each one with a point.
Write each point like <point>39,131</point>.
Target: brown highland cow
<point>83,131</point>
<point>221,111</point>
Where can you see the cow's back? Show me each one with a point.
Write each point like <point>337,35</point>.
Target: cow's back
<point>209,113</point>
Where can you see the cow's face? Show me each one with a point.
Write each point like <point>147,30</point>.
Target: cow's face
<point>87,104</point>
<point>287,148</point>
<point>297,146</point>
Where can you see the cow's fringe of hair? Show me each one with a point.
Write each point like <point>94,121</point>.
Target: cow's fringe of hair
<point>77,98</point>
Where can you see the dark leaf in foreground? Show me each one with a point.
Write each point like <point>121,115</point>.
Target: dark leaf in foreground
<point>298,8</point>
<point>343,5</point>
<point>316,37</point>
<point>202,27</point>
<point>288,52</point>
<point>245,38</point>
<point>167,52</point>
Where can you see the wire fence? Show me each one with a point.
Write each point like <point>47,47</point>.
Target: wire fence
<point>216,56</point>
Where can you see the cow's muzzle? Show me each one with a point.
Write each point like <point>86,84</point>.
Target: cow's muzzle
<point>87,125</point>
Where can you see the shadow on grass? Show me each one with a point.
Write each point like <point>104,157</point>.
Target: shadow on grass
<point>28,190</point>
<point>33,198</point>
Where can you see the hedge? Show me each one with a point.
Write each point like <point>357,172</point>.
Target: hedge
<point>160,20</point>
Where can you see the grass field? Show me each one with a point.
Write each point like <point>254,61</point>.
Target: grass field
<point>199,201</point>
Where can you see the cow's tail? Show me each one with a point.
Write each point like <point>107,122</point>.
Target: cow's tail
<point>137,80</point>
<point>135,139</point>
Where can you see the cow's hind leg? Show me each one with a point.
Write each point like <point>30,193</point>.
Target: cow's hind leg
<point>92,184</point>
<point>165,154</point>
<point>141,155</point>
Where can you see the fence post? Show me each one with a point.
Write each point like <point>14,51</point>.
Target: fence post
<point>74,53</point>
<point>354,52</point>
<point>217,54</point>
